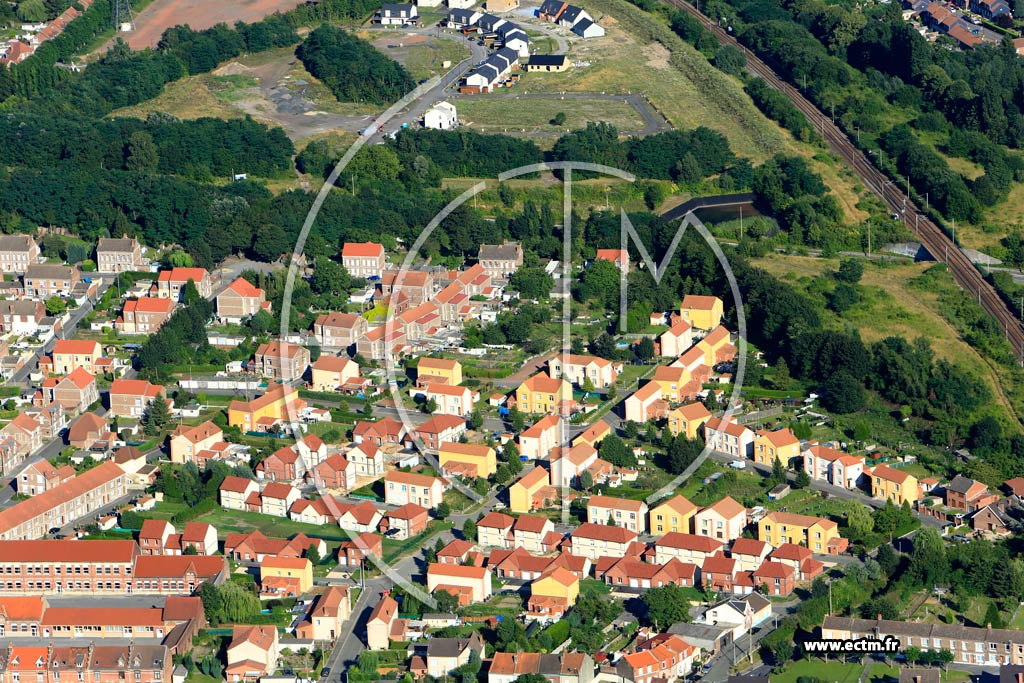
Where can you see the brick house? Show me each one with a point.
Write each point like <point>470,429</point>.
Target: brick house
<point>282,361</point>
<point>240,300</point>
<point>131,397</point>
<point>144,316</point>
<point>119,255</point>
<point>42,476</point>
<point>43,280</point>
<point>17,253</point>
<point>75,391</point>
<point>170,284</point>
<point>339,330</point>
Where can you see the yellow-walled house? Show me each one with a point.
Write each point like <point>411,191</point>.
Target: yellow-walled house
<point>280,402</point>
<point>438,371</point>
<point>329,373</point>
<point>673,515</point>
<point>688,419</point>
<point>703,312</point>
<point>286,575</point>
<point>557,583</point>
<point>542,394</point>
<point>777,528</point>
<point>892,484</point>
<point>672,380</point>
<point>528,493</point>
<point>779,445</point>
<point>468,459</point>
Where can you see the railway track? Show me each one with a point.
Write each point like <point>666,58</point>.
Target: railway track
<point>935,240</point>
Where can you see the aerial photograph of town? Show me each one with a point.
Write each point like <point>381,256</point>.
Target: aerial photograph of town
<point>511,341</point>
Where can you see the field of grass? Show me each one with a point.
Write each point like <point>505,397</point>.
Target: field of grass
<point>677,79</point>
<point>534,114</point>
<point>190,98</point>
<point>834,672</point>
<point>891,306</point>
<point>424,59</point>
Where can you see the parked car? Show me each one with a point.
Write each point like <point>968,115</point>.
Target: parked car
<point>738,465</point>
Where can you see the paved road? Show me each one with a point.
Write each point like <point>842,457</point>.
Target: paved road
<point>74,318</point>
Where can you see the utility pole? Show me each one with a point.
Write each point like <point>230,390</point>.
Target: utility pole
<point>741,222</point>
<point>954,231</point>
<point>869,238</point>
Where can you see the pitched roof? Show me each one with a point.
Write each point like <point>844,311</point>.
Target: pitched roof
<point>78,347</point>
<point>411,478</point>
<point>890,474</point>
<point>727,507</point>
<point>544,383</point>
<point>698,302</point>
<point>496,520</point>
<point>793,519</point>
<point>41,503</point>
<point>601,532</point>
<point>615,503</point>
<point>243,287</point>
<point>531,524</point>
<point>693,542</point>
<point>367,249</point>
<point>262,637</point>
<point>69,550</point>
<point>678,504</point>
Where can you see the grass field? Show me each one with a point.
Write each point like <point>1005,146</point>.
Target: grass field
<point>190,98</point>
<point>834,672</point>
<point>892,305</point>
<point>678,80</point>
<point>423,58</point>
<point>534,114</point>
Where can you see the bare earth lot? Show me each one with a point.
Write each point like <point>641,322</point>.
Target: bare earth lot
<point>199,14</point>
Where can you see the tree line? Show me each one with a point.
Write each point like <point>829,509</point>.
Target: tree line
<point>200,149</point>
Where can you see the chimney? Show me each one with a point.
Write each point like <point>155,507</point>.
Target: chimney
<point>1020,677</point>
<point>879,616</point>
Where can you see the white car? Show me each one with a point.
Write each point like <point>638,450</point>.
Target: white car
<point>738,465</point>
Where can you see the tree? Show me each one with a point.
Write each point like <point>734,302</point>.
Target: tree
<point>558,119</point>
<point>614,450</point>
<point>469,530</point>
<point>140,153</point>
<point>531,678</point>
<point>157,415</point>
<point>928,562</point>
<point>645,349</point>
<point>190,550</point>
<point>313,555</point>
<point>860,521</point>
<point>667,605</point>
<point>993,619</point>
<point>778,475</point>
<point>475,420</point>
<point>57,306</point>
<point>586,480</point>
<point>844,393</point>
<point>802,480</point>
<point>442,510</point>
<point>446,602</point>
<point>887,559</point>
<point>850,271</point>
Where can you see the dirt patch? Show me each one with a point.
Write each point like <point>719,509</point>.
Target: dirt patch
<point>657,56</point>
<point>199,14</point>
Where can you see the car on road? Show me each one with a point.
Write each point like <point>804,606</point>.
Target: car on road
<point>738,465</point>
<point>325,672</point>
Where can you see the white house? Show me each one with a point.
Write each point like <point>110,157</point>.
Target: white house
<point>397,15</point>
<point>441,116</point>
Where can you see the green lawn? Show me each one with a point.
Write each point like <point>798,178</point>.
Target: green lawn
<point>1017,623</point>
<point>394,549</point>
<point>228,521</point>
<point>833,672</point>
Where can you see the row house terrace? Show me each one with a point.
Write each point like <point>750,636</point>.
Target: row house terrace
<point>21,316</point>
<point>65,503</point>
<point>44,280</point>
<point>93,663</point>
